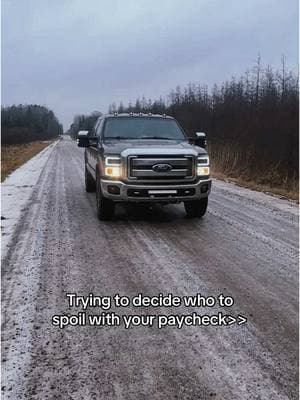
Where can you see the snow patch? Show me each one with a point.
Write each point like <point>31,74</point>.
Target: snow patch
<point>271,201</point>
<point>16,190</point>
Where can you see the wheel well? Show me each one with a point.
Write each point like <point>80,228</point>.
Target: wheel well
<point>97,172</point>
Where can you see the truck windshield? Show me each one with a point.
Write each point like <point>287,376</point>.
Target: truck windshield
<point>142,128</point>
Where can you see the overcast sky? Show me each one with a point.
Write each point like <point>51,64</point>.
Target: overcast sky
<point>78,56</point>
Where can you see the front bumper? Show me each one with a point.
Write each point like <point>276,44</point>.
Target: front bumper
<point>140,193</point>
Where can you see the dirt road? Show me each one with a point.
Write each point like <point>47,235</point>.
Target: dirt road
<point>245,247</point>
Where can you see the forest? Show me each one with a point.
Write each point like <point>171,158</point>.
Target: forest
<point>27,123</point>
<point>252,123</point>
<point>83,122</point>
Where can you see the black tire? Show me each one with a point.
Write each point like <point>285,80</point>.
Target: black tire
<point>196,208</point>
<point>90,184</point>
<point>105,207</point>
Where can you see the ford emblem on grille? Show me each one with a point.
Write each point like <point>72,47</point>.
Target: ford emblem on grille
<point>162,167</point>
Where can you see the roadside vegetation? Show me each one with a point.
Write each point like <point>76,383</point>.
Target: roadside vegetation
<point>27,123</point>
<point>251,124</point>
<point>83,122</point>
<point>25,131</point>
<point>13,156</point>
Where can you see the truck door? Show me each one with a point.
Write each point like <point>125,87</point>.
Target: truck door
<point>94,149</point>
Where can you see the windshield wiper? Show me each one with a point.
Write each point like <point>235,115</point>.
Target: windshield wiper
<point>116,137</point>
<point>138,138</point>
<point>157,137</point>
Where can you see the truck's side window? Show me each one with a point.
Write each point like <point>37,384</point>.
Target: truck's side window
<point>99,127</point>
<point>94,130</point>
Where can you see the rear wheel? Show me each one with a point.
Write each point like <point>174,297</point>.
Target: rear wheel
<point>105,207</point>
<point>90,184</point>
<point>196,208</point>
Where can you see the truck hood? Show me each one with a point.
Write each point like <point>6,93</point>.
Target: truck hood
<point>148,146</point>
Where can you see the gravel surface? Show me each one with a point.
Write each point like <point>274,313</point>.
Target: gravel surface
<point>245,247</point>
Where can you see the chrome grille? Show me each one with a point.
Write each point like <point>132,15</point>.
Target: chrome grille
<point>141,168</point>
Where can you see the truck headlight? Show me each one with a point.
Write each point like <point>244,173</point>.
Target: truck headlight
<point>203,166</point>
<point>112,166</point>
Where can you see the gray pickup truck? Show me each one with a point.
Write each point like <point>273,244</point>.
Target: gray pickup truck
<point>145,158</point>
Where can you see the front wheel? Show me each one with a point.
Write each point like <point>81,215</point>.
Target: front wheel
<point>105,207</point>
<point>196,208</point>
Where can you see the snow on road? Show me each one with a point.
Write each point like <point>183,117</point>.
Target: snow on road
<point>246,247</point>
<point>18,187</point>
<point>16,191</point>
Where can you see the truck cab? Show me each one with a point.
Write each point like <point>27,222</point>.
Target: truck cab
<point>145,158</point>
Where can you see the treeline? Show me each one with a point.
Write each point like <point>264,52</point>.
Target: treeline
<point>27,123</point>
<point>251,122</point>
<point>82,123</point>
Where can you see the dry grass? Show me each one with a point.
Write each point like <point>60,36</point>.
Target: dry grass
<point>13,156</point>
<point>234,166</point>
<point>269,189</point>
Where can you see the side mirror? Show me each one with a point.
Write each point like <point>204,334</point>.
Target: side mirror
<point>200,139</point>
<point>82,139</point>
